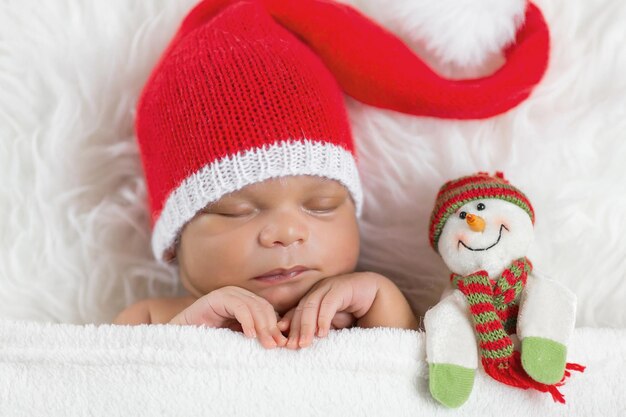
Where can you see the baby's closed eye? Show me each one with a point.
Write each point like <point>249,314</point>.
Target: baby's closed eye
<point>323,204</point>
<point>231,210</point>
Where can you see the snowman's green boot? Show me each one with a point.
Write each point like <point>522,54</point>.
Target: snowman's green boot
<point>450,384</point>
<point>544,359</point>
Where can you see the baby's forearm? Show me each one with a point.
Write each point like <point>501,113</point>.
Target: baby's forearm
<point>389,309</point>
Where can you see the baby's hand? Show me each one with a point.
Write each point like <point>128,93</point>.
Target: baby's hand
<point>332,302</point>
<point>231,307</point>
<point>340,321</point>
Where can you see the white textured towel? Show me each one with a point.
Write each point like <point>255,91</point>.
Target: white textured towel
<point>61,370</point>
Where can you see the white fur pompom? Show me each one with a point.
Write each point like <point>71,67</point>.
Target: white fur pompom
<point>465,33</point>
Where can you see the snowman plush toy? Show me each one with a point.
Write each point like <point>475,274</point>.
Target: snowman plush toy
<point>495,307</point>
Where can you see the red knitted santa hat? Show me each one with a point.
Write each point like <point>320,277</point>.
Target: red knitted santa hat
<point>243,93</point>
<point>456,193</point>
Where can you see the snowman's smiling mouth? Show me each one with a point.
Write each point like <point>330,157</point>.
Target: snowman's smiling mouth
<point>489,247</point>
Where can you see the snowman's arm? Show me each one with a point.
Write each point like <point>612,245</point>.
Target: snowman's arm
<point>547,310</point>
<point>450,335</point>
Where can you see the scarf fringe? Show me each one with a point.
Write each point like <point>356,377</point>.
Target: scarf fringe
<point>511,372</point>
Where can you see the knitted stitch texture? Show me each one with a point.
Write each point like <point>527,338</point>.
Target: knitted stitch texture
<point>234,101</point>
<point>239,83</point>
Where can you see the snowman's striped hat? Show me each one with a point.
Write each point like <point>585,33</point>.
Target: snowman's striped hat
<point>456,193</point>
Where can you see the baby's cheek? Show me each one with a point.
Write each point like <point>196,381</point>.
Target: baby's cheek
<point>337,244</point>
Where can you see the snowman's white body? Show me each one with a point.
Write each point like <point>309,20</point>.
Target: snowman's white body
<point>547,308</point>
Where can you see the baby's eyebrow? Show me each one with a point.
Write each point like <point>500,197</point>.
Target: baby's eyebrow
<point>232,200</point>
<point>327,184</point>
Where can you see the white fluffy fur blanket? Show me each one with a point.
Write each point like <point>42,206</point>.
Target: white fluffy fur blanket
<point>74,235</point>
<point>108,370</point>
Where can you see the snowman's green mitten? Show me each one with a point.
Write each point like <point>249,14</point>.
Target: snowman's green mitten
<point>450,384</point>
<point>544,359</point>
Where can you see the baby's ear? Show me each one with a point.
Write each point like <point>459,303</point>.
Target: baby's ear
<point>170,255</point>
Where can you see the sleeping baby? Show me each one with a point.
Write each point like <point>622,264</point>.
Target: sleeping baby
<point>253,185</point>
<point>283,247</point>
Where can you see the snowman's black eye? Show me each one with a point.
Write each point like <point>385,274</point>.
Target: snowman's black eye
<point>480,206</point>
<point>462,215</point>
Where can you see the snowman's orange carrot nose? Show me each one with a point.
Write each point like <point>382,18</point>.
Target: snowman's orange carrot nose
<point>476,223</point>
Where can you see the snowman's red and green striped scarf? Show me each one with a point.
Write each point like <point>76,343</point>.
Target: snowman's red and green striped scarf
<point>494,306</point>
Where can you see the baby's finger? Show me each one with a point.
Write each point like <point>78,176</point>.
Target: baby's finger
<point>310,311</point>
<point>264,324</point>
<point>294,330</point>
<point>242,314</point>
<point>285,321</point>
<point>272,322</point>
<point>283,325</point>
<point>328,308</point>
<point>278,337</point>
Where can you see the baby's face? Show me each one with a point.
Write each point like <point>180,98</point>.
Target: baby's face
<point>267,229</point>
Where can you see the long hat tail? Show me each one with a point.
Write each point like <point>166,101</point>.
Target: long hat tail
<point>375,67</point>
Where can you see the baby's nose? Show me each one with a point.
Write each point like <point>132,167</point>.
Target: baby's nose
<point>285,230</point>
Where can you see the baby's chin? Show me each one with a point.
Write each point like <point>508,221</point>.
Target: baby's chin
<point>284,297</point>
